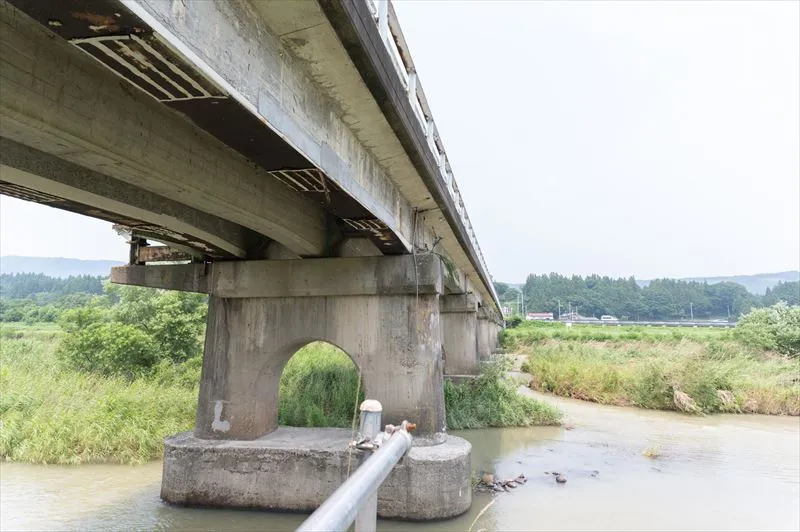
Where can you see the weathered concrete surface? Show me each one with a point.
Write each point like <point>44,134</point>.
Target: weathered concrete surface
<point>487,335</point>
<point>23,166</point>
<point>358,247</point>
<point>57,99</point>
<point>292,69</point>
<point>294,469</point>
<point>458,317</point>
<point>394,340</point>
<point>382,275</point>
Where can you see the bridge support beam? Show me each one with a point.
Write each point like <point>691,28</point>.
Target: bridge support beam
<point>488,334</point>
<point>384,312</point>
<point>459,321</point>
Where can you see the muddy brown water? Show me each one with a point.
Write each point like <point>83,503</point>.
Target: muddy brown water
<point>720,472</point>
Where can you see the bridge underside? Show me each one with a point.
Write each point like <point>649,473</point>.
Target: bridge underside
<point>121,104</point>
<point>390,314</point>
<point>281,141</point>
<point>102,115</point>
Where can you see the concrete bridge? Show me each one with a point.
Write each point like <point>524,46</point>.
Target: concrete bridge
<point>285,153</point>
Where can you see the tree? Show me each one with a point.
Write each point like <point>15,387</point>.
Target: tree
<point>788,292</point>
<point>776,328</point>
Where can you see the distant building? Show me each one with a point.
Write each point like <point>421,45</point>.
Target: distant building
<point>506,311</point>
<point>606,317</point>
<point>539,316</point>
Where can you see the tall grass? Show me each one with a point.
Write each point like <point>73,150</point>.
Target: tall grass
<point>318,388</point>
<point>52,415</point>
<point>688,371</point>
<point>492,400</point>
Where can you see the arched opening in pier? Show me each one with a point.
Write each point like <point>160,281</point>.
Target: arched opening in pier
<point>320,387</point>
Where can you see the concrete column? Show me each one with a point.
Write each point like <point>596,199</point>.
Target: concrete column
<point>393,337</point>
<point>383,311</point>
<point>485,341</point>
<point>458,316</point>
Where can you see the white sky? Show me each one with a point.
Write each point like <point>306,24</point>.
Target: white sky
<point>625,138</point>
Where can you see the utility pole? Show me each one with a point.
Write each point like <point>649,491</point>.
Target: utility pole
<point>691,311</point>
<point>559,310</point>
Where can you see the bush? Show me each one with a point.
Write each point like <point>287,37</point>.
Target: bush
<point>144,329</point>
<point>513,321</point>
<point>79,318</point>
<point>492,400</point>
<point>775,328</point>
<point>109,349</point>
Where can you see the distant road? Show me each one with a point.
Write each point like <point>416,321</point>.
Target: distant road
<point>656,323</point>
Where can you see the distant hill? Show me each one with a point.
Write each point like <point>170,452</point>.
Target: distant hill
<point>56,266</point>
<point>755,284</point>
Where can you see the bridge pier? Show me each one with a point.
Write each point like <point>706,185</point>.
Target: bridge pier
<point>459,321</point>
<point>487,334</point>
<point>384,312</point>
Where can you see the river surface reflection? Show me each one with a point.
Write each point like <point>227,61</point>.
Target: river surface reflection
<point>720,472</point>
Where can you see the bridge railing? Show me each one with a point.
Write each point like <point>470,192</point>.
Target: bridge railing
<point>356,500</point>
<point>392,36</point>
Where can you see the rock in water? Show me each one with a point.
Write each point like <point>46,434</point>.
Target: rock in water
<point>487,479</point>
<point>561,479</point>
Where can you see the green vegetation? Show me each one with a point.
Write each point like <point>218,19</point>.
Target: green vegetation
<point>776,328</point>
<point>36,298</point>
<point>53,414</point>
<point>116,375</point>
<point>492,400</point>
<point>687,369</point>
<point>318,388</point>
<point>661,299</point>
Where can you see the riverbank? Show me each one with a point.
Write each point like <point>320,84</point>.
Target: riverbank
<point>52,413</point>
<point>697,371</point>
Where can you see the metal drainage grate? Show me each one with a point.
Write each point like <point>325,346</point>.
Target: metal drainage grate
<point>150,64</point>
<point>306,180</point>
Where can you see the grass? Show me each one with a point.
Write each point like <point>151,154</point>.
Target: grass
<point>685,369</point>
<point>492,400</point>
<point>52,414</point>
<point>320,383</point>
<point>529,334</point>
<point>318,388</point>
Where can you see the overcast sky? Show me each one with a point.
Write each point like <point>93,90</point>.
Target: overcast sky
<point>648,139</point>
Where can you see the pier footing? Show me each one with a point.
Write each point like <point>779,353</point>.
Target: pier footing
<point>296,469</point>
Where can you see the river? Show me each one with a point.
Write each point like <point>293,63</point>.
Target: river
<point>723,472</point>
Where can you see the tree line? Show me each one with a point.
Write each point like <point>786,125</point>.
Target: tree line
<point>35,297</point>
<point>20,285</point>
<point>661,299</point>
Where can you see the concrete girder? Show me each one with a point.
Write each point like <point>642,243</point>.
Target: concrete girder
<point>273,85</point>
<point>58,100</point>
<point>96,194</point>
<point>384,275</point>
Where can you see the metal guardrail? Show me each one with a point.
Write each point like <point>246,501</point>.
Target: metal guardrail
<point>356,500</point>
<point>394,41</point>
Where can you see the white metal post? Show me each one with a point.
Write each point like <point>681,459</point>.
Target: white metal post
<point>370,427</point>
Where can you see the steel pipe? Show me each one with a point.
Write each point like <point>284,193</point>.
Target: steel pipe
<point>340,509</point>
